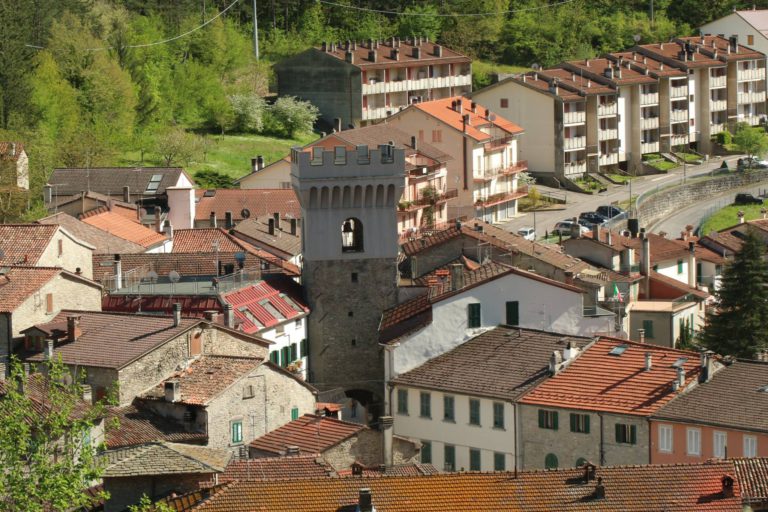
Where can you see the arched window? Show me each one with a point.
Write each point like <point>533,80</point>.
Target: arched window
<point>580,462</point>
<point>550,461</point>
<point>352,235</point>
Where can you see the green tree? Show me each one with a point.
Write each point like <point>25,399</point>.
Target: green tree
<point>213,179</point>
<point>177,146</point>
<point>740,325</point>
<point>249,112</point>
<point>145,505</point>
<point>420,21</point>
<point>294,115</point>
<point>46,451</point>
<point>751,141</point>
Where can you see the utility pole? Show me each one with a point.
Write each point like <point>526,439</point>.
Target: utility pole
<point>255,31</point>
<point>651,13</point>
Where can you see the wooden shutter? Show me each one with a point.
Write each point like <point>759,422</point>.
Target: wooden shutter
<point>473,313</point>
<point>196,344</point>
<point>303,346</point>
<point>542,419</point>
<point>586,423</point>
<point>49,303</point>
<point>294,352</point>
<point>513,313</point>
<point>574,423</point>
<point>554,419</point>
<point>633,434</point>
<point>618,433</point>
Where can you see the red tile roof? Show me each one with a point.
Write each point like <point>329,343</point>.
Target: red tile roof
<point>668,287</point>
<point>258,202</point>
<point>597,66</point>
<point>277,468</point>
<point>102,241</point>
<point>193,306</point>
<point>24,243</point>
<point>413,469</point>
<point>600,381</point>
<point>311,434</point>
<point>406,58</point>
<point>256,230</point>
<point>123,227</point>
<point>670,488</point>
<point>261,306</point>
<point>17,284</point>
<point>139,426</point>
<point>441,109</point>
<point>752,475</point>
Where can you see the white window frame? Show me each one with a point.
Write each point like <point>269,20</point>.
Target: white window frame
<point>719,444</point>
<point>750,446</point>
<point>690,435</point>
<point>666,438</point>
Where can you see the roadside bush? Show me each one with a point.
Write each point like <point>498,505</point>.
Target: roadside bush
<point>724,138</point>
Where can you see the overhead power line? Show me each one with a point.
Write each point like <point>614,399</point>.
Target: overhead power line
<point>445,15</point>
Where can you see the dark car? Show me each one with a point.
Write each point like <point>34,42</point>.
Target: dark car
<point>592,218</point>
<point>610,211</point>
<point>747,199</point>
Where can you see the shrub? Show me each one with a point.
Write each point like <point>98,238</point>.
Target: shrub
<point>724,138</point>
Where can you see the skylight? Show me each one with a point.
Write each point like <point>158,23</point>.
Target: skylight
<point>154,182</point>
<point>618,350</point>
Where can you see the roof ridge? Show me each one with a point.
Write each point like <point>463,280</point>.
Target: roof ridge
<point>172,446</point>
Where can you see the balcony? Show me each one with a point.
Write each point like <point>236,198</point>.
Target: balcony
<point>498,143</point>
<point>609,159</point>
<point>750,119</point>
<point>678,92</point>
<point>607,109</point>
<point>410,205</point>
<point>491,173</point>
<point>649,147</point>
<point>573,168</point>
<point>716,82</point>
<point>571,143</point>
<point>649,123</point>
<point>745,75</point>
<point>678,116</point>
<point>651,98</point>
<point>578,117</point>
<point>750,97</point>
<point>609,134</point>
<point>419,174</point>
<point>418,84</point>
<point>717,105</point>
<point>716,127</point>
<point>678,140</point>
<point>502,197</point>
<point>376,113</point>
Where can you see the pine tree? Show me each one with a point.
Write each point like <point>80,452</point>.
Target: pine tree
<point>740,325</point>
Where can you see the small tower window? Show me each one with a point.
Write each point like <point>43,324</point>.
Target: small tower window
<point>352,236</point>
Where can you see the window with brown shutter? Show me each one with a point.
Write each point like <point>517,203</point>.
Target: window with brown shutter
<point>504,102</point>
<point>61,247</point>
<point>196,345</point>
<point>49,303</point>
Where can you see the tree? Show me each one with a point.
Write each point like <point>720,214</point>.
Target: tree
<point>212,179</point>
<point>751,141</point>
<point>249,112</point>
<point>146,505</point>
<point>420,21</point>
<point>177,146</point>
<point>740,325</point>
<point>294,115</point>
<point>46,450</point>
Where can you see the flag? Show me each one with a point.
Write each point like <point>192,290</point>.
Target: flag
<point>617,293</point>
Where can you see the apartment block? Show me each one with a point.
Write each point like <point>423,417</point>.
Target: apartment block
<point>362,83</point>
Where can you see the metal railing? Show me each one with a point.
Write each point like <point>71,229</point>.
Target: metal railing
<point>501,197</point>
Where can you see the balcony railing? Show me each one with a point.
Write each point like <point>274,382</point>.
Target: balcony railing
<point>678,92</point>
<point>376,113</point>
<point>489,174</point>
<point>572,168</point>
<point>416,84</point>
<point>717,81</point>
<point>750,119</point>
<point>678,140</point>
<point>716,127</point>
<point>649,147</point>
<point>717,105</point>
<point>750,97</point>
<point>571,143</point>
<point>651,98</point>
<point>577,117</point>
<point>502,197</point>
<point>649,123</point>
<point>409,205</point>
<point>744,75</point>
<point>497,143</point>
<point>609,134</point>
<point>609,159</point>
<point>678,116</point>
<point>607,109</point>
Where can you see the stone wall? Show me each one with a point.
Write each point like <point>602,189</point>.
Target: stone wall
<point>367,447</point>
<point>128,491</point>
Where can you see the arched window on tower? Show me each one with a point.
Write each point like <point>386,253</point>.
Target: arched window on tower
<point>352,235</point>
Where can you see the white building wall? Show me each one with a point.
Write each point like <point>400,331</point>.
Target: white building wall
<point>276,175</point>
<point>733,24</point>
<point>693,108</point>
<point>293,331</point>
<point>69,253</point>
<point>669,269</point>
<point>625,121</point>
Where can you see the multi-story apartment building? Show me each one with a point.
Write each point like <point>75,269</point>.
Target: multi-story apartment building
<point>484,164</point>
<point>362,83</point>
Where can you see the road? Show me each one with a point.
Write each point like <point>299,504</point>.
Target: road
<point>576,203</point>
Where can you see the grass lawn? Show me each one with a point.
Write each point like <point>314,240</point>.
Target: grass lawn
<point>688,157</point>
<point>727,217</point>
<point>483,66</point>
<point>663,165</point>
<point>620,178</point>
<point>228,154</point>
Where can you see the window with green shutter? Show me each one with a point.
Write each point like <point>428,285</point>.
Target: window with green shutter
<point>274,356</point>
<point>679,266</point>
<point>473,315</point>
<point>513,313</point>
<point>294,413</point>
<point>426,452</point>
<point>402,401</point>
<point>449,409</point>
<point>474,411</point>
<point>237,432</point>
<point>474,459</point>
<point>580,423</point>
<point>294,352</point>
<point>547,419</point>
<point>449,457</point>
<point>425,409</point>
<point>303,346</point>
<point>648,327</point>
<point>626,434</point>
<point>550,461</point>
<point>498,415</point>
<point>499,462</point>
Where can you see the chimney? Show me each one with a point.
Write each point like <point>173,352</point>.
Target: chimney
<point>457,276</point>
<point>575,228</point>
<point>48,350</point>
<point>596,232</point>
<point>293,226</point>
<point>118,272</point>
<point>416,52</point>
<point>473,107</point>
<point>213,219</point>
<point>692,264</point>
<point>229,316</point>
<point>569,352</point>
<point>126,194</point>
<point>349,56</point>
<point>438,51</point>
<point>176,314</point>
<point>336,124</point>
<point>599,489</point>
<point>228,223</point>
<point>569,277</point>
<point>554,362</point>
<point>740,215</point>
<point>158,228</point>
<point>47,194</point>
<point>292,450</point>
<point>271,226</point>
<point>211,315</point>
<point>608,239</point>
<point>87,393</point>
<point>727,482</point>
<point>372,55</point>
<point>172,391</point>
<point>414,143</point>
<point>395,54</point>
<point>73,328</point>
<point>464,121</point>
<point>365,501</point>
<point>680,378</point>
<point>707,366</point>
<point>276,216</point>
<point>641,335</point>
<point>648,361</point>
<point>13,149</point>
<point>386,423</point>
<point>168,230</point>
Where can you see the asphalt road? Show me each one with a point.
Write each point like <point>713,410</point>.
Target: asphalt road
<point>576,203</point>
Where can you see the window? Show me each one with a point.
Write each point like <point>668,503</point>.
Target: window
<point>513,313</point>
<point>690,98</point>
<point>504,103</point>
<point>499,462</point>
<point>550,461</point>
<point>297,324</point>
<point>280,329</point>
<point>474,411</point>
<point>474,459</point>
<point>61,247</point>
<point>626,434</point>
<point>274,356</point>
<point>294,352</point>
<point>425,405</point>
<point>473,315</point>
<point>352,235</point>
<point>449,411</point>
<point>693,437</point>
<point>426,452</point>
<point>49,303</point>
<point>237,431</point>
<point>402,401</point>
<point>449,457</point>
<point>580,462</point>
<point>303,347</point>
<point>437,136</point>
<point>719,444</point>
<point>665,438</point>
<point>648,328</point>
<point>498,415</point>
<point>294,413</point>
<point>196,344</point>
<point>340,155</point>
<point>750,446</point>
<point>750,39</point>
<point>421,135</point>
<point>285,356</point>
<point>580,423</point>
<point>679,266</point>
<point>154,183</point>
<point>354,277</point>
<point>548,419</point>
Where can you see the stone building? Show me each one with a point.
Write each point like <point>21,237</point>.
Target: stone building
<point>44,246</point>
<point>349,238</point>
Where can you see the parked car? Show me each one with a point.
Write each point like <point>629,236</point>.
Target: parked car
<point>610,211</point>
<point>751,163</point>
<point>527,233</point>
<point>593,218</point>
<point>564,228</point>
<point>747,199</point>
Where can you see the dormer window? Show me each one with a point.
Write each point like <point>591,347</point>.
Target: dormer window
<point>352,235</point>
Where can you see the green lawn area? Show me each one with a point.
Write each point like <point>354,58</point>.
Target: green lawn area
<point>727,217</point>
<point>688,157</point>
<point>663,165</point>
<point>620,178</point>
<point>228,154</point>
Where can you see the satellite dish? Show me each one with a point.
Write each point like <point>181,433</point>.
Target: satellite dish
<point>245,213</point>
<point>491,117</point>
<point>174,276</point>
<point>637,37</point>
<point>152,276</point>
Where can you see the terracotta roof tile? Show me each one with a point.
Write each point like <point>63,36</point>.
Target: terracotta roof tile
<point>258,202</point>
<point>413,469</point>
<point>503,363</point>
<point>311,434</point>
<point>597,66</point>
<point>203,239</point>
<point>406,57</point>
<point>598,380</point>
<point>735,397</point>
<point>120,226</point>
<point>193,306</point>
<point>111,180</point>
<point>102,241</point>
<point>17,284</point>
<point>660,282</point>
<point>630,488</point>
<point>277,468</point>
<point>752,475</point>
<point>24,243</point>
<point>262,306</point>
<point>441,109</point>
<point>139,426</point>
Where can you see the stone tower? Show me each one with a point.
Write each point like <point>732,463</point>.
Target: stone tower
<point>349,237</point>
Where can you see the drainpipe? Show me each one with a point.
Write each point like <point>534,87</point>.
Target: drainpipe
<point>602,445</point>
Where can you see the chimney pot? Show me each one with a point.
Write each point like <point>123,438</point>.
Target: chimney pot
<point>73,328</point>
<point>118,272</point>
<point>126,194</point>
<point>176,314</point>
<point>648,361</point>
<point>276,216</point>
<point>271,226</point>
<point>48,353</point>
<point>680,377</point>
<point>365,500</point>
<point>211,315</point>
<point>641,335</point>
<point>457,276</point>
<point>213,219</point>
<point>229,316</point>
<point>228,222</point>
<point>172,391</point>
